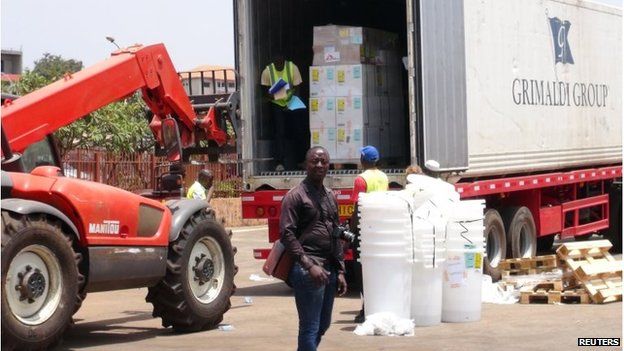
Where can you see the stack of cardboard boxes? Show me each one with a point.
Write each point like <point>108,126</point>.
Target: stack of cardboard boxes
<point>356,97</point>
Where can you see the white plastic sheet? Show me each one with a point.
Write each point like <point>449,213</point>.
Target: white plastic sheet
<point>386,324</point>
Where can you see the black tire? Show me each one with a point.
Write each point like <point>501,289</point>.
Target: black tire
<point>496,244</point>
<point>521,232</point>
<point>31,319</point>
<point>174,299</point>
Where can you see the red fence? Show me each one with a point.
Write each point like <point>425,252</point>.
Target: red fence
<point>138,171</point>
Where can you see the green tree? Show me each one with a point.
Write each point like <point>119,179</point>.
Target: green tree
<point>28,82</point>
<point>119,127</point>
<point>54,67</point>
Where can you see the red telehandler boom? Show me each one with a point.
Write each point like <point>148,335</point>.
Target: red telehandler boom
<point>63,238</point>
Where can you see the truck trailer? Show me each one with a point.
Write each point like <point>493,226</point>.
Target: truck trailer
<point>517,102</point>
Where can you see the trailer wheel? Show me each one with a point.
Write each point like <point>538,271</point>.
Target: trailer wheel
<point>195,293</point>
<point>40,281</point>
<point>521,232</point>
<point>496,241</point>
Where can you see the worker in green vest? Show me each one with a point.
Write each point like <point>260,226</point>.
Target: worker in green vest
<point>372,179</point>
<point>203,187</point>
<point>291,127</point>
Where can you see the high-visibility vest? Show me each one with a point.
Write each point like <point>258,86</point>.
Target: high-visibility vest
<point>196,191</point>
<point>376,180</point>
<point>286,75</point>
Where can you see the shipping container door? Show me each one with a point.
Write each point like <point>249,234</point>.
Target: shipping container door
<point>437,85</point>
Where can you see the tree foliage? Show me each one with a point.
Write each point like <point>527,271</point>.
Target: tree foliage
<point>54,67</point>
<point>119,127</point>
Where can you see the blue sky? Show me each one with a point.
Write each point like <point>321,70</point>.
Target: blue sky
<point>195,32</point>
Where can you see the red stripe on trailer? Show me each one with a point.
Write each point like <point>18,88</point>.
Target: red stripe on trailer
<point>494,186</point>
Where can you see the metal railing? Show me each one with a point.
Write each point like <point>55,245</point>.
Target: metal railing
<point>136,172</point>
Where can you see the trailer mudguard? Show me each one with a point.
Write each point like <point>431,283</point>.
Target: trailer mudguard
<point>25,207</point>
<point>181,211</point>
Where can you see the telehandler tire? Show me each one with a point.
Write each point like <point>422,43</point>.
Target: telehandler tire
<point>196,290</point>
<point>40,281</point>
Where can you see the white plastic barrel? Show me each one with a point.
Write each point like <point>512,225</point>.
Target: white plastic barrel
<point>387,280</point>
<point>461,298</point>
<point>385,248</point>
<point>465,247</point>
<point>426,301</point>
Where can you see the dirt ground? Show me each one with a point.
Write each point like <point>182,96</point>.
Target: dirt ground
<point>263,317</point>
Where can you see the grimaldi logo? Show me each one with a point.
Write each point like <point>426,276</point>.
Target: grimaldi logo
<point>534,91</point>
<point>560,30</point>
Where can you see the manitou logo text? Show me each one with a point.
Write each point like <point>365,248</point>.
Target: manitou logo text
<point>106,227</point>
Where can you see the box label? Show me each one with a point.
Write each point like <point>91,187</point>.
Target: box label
<point>333,56</point>
<point>330,73</point>
<point>331,134</point>
<point>357,72</point>
<point>315,75</point>
<point>341,135</point>
<point>341,104</point>
<point>314,105</point>
<point>315,137</point>
<point>341,76</point>
<point>357,134</point>
<point>357,103</point>
<point>330,104</point>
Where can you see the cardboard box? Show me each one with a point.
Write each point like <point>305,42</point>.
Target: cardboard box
<point>322,81</point>
<point>341,54</point>
<point>358,110</point>
<point>325,137</point>
<point>349,141</point>
<point>355,80</point>
<point>322,112</point>
<point>344,35</point>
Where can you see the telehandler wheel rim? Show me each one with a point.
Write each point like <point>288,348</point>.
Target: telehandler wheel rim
<point>34,285</point>
<point>206,270</point>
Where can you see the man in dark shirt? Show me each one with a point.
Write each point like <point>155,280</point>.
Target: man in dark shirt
<point>308,218</point>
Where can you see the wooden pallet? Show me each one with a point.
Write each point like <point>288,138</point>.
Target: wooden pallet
<point>525,271</point>
<point>553,296</point>
<point>570,296</point>
<point>527,263</point>
<point>594,268</point>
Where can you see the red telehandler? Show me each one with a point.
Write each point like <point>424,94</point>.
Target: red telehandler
<point>63,237</point>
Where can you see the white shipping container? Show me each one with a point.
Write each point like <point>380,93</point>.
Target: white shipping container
<point>528,106</point>
<point>488,92</point>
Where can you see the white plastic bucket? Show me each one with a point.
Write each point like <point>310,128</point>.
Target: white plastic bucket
<point>467,210</point>
<point>387,280</point>
<point>385,248</point>
<point>426,302</point>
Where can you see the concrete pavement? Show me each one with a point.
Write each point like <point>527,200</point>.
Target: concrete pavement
<point>122,320</point>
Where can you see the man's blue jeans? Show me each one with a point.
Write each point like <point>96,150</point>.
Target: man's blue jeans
<point>314,305</point>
